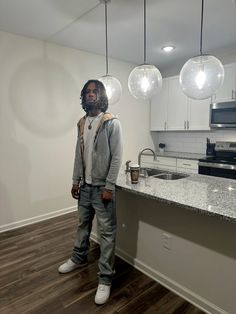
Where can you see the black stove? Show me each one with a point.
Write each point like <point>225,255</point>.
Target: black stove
<point>222,164</point>
<point>220,159</point>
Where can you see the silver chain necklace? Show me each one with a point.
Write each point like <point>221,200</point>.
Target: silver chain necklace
<point>90,123</point>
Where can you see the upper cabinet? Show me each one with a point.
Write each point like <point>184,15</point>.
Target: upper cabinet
<point>228,89</point>
<point>177,106</point>
<point>172,110</point>
<point>158,117</point>
<point>198,114</point>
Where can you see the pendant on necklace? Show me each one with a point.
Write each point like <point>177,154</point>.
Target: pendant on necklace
<point>90,127</point>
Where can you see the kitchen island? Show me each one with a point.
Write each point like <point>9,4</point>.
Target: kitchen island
<point>205,194</point>
<point>182,233</point>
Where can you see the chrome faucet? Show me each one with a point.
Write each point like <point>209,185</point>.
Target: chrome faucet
<point>140,154</point>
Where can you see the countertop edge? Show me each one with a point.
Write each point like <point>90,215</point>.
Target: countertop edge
<point>195,209</point>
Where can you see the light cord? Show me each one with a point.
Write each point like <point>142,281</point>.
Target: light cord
<point>144,32</point>
<point>201,27</point>
<point>106,37</point>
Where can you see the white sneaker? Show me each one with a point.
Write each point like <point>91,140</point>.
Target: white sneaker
<point>102,294</point>
<point>69,266</point>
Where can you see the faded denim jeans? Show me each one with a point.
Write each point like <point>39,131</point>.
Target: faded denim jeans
<point>90,203</point>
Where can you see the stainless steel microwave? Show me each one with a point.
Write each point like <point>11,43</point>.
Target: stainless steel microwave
<point>223,115</point>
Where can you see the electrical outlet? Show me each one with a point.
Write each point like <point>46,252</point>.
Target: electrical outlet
<point>166,241</point>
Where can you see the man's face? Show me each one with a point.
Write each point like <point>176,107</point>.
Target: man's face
<point>91,93</point>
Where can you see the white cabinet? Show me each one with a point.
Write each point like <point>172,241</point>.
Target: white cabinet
<point>166,163</point>
<point>185,113</point>
<point>158,116</point>
<point>147,161</point>
<point>177,106</point>
<point>198,114</point>
<point>172,110</point>
<point>187,165</point>
<point>170,163</point>
<point>228,89</point>
<point>160,162</point>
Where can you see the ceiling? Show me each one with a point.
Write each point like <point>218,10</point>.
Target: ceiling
<point>79,24</point>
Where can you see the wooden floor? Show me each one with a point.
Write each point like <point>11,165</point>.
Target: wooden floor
<point>30,283</point>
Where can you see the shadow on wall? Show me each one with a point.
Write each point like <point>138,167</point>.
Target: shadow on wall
<point>14,184</point>
<point>6,214</point>
<point>44,97</point>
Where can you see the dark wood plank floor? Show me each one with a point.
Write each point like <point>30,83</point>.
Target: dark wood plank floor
<point>30,283</point>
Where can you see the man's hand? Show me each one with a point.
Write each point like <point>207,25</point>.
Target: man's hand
<point>106,196</point>
<point>75,191</point>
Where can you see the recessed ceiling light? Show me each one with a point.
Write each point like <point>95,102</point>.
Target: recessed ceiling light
<point>168,48</point>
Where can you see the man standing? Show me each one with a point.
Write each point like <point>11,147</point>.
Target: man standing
<point>97,162</point>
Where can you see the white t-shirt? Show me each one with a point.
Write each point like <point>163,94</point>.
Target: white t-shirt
<point>90,128</point>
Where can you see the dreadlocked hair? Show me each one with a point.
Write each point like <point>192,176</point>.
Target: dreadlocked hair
<point>102,99</point>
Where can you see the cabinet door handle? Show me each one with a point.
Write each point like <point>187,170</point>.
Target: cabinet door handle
<point>187,124</point>
<point>232,94</point>
<point>165,125</point>
<point>186,165</point>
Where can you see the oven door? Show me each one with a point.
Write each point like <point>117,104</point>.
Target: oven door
<point>217,170</point>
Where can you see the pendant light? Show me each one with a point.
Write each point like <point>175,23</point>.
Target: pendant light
<point>112,84</point>
<point>203,75</point>
<point>144,80</point>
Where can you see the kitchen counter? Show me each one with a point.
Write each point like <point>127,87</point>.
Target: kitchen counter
<point>205,194</point>
<point>181,155</point>
<point>182,234</point>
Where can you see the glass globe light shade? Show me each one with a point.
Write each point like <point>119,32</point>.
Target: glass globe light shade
<point>113,88</point>
<point>144,81</point>
<point>201,76</point>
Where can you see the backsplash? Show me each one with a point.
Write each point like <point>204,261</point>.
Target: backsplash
<point>191,142</point>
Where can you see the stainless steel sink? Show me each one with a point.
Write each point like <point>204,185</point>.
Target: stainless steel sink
<point>150,172</point>
<point>171,176</point>
<point>161,174</point>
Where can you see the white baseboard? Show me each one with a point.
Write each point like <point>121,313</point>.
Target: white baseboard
<point>167,282</point>
<point>35,219</point>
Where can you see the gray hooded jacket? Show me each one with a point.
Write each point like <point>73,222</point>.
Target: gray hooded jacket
<point>107,153</point>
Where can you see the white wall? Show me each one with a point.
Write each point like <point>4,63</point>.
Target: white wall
<point>40,85</point>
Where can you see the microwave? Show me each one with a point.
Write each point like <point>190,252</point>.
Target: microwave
<point>223,115</point>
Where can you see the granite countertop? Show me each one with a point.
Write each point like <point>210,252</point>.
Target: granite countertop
<point>205,194</point>
<point>177,155</point>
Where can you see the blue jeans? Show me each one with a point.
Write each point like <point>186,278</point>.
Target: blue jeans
<point>90,203</point>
